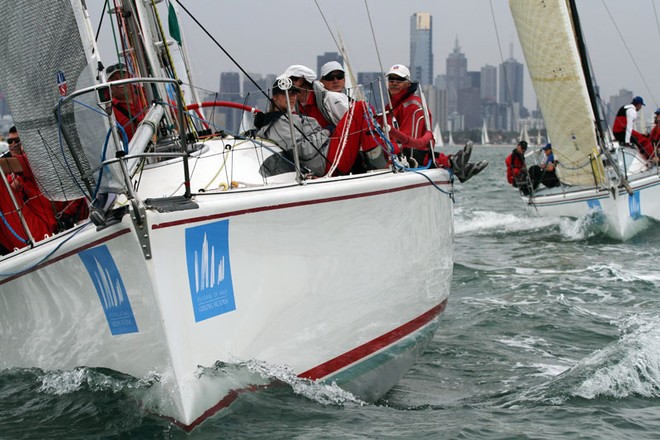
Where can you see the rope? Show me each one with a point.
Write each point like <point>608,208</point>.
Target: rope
<point>344,138</point>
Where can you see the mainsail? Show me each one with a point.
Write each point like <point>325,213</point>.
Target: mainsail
<point>548,39</point>
<point>48,51</point>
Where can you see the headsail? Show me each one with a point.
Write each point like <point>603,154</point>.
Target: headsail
<point>48,51</point>
<point>545,30</point>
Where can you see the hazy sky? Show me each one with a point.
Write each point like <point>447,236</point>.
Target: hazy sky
<point>265,36</point>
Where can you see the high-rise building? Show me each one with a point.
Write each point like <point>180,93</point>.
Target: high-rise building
<point>230,90</point>
<point>511,82</point>
<point>456,76</point>
<point>436,100</point>
<point>488,84</point>
<point>252,95</point>
<point>372,82</point>
<point>421,48</point>
<point>326,58</point>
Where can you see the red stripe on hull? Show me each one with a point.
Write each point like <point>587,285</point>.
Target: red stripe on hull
<point>372,346</point>
<point>291,205</point>
<point>332,365</point>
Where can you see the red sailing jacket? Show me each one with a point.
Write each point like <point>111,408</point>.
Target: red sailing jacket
<point>514,166</point>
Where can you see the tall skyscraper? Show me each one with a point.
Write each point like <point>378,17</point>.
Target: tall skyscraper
<point>511,81</point>
<point>456,76</point>
<point>488,84</point>
<point>372,81</point>
<point>421,48</point>
<point>230,90</point>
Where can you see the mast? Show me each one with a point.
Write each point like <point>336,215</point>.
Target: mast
<point>582,50</point>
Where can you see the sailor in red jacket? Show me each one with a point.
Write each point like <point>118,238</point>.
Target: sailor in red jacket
<point>623,127</point>
<point>411,130</point>
<point>516,170</point>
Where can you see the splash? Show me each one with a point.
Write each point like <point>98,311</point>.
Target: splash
<point>629,367</point>
<point>60,383</point>
<point>320,392</point>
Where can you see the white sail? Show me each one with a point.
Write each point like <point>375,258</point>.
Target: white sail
<point>437,134</point>
<point>546,33</point>
<point>484,134</point>
<point>524,135</point>
<point>450,140</point>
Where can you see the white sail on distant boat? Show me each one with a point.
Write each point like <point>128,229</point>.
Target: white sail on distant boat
<point>196,255</point>
<point>597,177</point>
<point>524,135</point>
<point>538,133</point>
<point>484,134</point>
<point>437,134</point>
<point>450,139</point>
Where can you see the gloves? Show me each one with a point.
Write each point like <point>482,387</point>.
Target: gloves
<point>409,142</point>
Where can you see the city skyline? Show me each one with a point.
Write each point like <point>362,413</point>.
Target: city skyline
<point>620,37</point>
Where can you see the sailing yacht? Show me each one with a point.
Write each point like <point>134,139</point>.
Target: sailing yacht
<point>614,184</point>
<point>199,255</point>
<point>484,134</point>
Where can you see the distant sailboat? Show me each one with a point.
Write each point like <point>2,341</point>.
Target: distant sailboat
<point>538,133</point>
<point>450,140</point>
<point>437,134</point>
<point>524,136</point>
<point>484,134</point>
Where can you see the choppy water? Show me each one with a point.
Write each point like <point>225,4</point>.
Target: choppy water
<point>551,331</point>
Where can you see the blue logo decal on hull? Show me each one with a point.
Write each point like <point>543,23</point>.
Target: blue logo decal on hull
<point>209,271</point>
<point>110,288</point>
<point>594,205</point>
<point>634,206</point>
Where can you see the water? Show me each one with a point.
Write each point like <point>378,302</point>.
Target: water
<point>552,331</point>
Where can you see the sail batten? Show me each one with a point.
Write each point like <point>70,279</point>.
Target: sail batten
<point>548,40</point>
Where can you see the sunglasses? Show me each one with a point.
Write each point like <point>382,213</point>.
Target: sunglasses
<point>331,77</point>
<point>396,79</point>
<point>14,140</point>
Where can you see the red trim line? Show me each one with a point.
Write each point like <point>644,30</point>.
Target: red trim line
<point>372,346</point>
<point>66,255</point>
<point>290,205</point>
<point>329,367</point>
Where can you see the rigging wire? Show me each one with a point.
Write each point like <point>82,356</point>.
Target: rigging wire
<point>507,87</point>
<point>632,58</point>
<point>247,75</point>
<point>655,15</point>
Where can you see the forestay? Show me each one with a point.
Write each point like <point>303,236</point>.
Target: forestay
<point>43,44</point>
<point>548,40</point>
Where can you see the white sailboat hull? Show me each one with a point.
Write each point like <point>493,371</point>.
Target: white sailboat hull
<point>622,214</point>
<point>340,280</point>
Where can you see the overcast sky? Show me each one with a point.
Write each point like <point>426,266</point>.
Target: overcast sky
<point>265,36</point>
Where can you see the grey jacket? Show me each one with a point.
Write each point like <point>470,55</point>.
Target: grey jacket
<point>312,140</point>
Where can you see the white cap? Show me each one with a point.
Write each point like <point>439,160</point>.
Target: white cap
<point>331,66</point>
<point>399,70</point>
<point>299,71</point>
